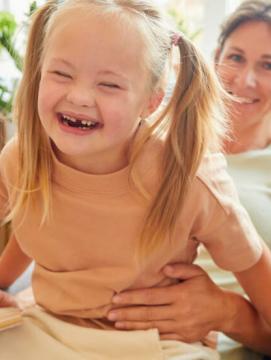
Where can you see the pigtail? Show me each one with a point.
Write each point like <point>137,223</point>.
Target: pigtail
<point>196,110</point>
<point>34,156</point>
<point>195,124</point>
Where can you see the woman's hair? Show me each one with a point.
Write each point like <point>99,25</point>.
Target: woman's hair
<point>250,10</point>
<point>192,122</point>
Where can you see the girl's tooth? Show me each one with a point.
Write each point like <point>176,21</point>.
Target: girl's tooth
<point>83,122</point>
<point>69,118</point>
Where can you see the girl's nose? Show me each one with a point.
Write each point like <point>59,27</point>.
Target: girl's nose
<point>81,95</point>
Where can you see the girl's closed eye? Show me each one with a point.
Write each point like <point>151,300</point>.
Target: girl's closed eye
<point>61,74</point>
<point>109,85</point>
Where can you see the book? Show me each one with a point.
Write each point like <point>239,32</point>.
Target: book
<point>10,317</point>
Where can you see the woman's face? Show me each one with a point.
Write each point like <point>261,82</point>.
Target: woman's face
<point>244,67</point>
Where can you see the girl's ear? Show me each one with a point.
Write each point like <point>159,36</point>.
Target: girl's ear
<point>154,102</point>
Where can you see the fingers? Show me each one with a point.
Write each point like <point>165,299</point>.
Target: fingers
<point>163,295</point>
<point>141,313</point>
<point>163,327</point>
<point>183,271</point>
<point>152,296</point>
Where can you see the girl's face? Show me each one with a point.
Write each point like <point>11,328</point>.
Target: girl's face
<point>93,91</point>
<point>244,66</point>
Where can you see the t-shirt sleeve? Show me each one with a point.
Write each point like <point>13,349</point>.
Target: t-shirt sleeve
<point>3,199</point>
<point>8,167</point>
<point>224,226</point>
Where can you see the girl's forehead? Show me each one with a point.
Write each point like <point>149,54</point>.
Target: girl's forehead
<point>105,27</point>
<point>91,39</point>
<point>75,28</point>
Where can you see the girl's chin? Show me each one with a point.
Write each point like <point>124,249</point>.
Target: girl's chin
<point>69,150</point>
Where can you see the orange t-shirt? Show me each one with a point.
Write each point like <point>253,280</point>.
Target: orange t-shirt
<point>85,253</point>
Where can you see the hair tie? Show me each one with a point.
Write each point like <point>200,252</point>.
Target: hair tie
<point>175,39</point>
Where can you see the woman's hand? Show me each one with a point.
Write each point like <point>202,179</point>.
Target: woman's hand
<point>6,300</point>
<point>186,311</point>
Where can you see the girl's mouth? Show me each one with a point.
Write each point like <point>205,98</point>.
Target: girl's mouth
<point>81,124</point>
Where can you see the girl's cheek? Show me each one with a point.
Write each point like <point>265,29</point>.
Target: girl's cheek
<point>45,102</point>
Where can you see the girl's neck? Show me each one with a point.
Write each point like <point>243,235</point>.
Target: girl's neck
<point>101,164</point>
<point>256,136</point>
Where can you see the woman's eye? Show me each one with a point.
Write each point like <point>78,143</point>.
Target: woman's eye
<point>236,58</point>
<point>267,65</point>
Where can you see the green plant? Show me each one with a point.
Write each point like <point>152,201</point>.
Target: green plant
<point>182,23</point>
<point>8,27</point>
<point>5,99</point>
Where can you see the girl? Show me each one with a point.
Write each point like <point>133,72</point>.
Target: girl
<point>100,199</point>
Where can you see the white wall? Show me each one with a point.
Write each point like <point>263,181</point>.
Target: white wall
<point>215,13</point>
<point>17,7</point>
<point>4,5</point>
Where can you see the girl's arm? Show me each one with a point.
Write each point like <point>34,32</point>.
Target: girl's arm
<point>256,281</point>
<point>13,262</point>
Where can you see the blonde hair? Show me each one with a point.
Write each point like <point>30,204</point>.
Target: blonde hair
<point>192,119</point>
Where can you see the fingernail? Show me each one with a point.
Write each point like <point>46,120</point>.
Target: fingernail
<point>116,299</point>
<point>112,315</point>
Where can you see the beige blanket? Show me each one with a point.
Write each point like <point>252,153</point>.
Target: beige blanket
<point>43,337</point>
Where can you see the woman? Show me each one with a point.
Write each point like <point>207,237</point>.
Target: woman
<point>243,63</point>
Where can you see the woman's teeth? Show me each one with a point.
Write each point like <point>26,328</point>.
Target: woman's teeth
<point>243,100</point>
<point>247,101</point>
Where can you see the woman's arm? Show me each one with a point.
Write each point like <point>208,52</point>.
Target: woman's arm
<point>256,281</point>
<point>13,262</point>
<point>190,309</point>
<point>247,326</point>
